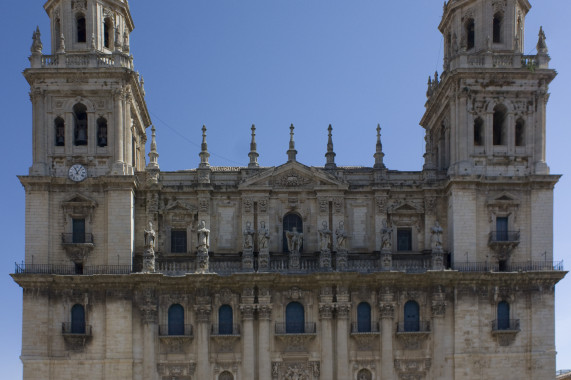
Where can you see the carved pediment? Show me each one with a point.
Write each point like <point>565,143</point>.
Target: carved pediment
<point>294,175</point>
<point>78,206</point>
<point>179,206</point>
<point>78,200</point>
<point>405,207</point>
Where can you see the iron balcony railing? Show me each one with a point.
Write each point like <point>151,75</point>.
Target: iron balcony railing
<point>504,237</point>
<point>413,326</point>
<point>175,330</point>
<point>225,329</point>
<point>66,269</point>
<point>69,328</point>
<point>77,238</point>
<point>283,328</point>
<point>523,266</point>
<point>365,328</point>
<point>505,325</point>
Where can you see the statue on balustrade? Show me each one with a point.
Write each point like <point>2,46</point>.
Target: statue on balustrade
<point>386,237</point>
<point>248,237</point>
<point>203,237</point>
<point>325,237</point>
<point>294,240</point>
<point>436,239</point>
<point>263,236</point>
<point>341,237</point>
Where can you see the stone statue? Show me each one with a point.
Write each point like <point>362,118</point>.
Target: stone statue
<point>263,236</point>
<point>203,237</point>
<point>248,236</point>
<point>436,239</point>
<point>386,237</point>
<point>294,239</point>
<point>325,237</point>
<point>150,237</point>
<point>341,237</point>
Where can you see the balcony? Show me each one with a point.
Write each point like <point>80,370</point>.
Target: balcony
<point>524,266</point>
<point>412,334</point>
<point>75,336</point>
<point>358,328</point>
<point>71,270</point>
<point>77,246</point>
<point>174,332</point>
<point>505,331</point>
<point>295,337</point>
<point>82,60</point>
<point>503,242</point>
<point>225,330</point>
<point>287,328</point>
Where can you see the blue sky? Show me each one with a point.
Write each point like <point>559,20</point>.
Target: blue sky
<point>228,64</point>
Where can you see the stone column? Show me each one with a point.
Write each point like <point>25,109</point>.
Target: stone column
<point>202,341</point>
<point>119,133</point>
<point>149,317</point>
<point>439,333</point>
<point>343,311</point>
<point>265,321</point>
<point>39,132</point>
<point>326,314</point>
<point>387,312</point>
<point>248,363</point>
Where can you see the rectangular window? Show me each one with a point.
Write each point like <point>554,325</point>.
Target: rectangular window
<point>404,239</point>
<point>502,229</point>
<point>78,236</point>
<point>178,241</point>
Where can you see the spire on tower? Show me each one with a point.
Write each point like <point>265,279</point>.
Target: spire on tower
<point>541,44</point>
<point>253,150</point>
<point>379,151</point>
<point>330,155</point>
<point>291,153</point>
<point>37,45</point>
<point>153,155</point>
<point>204,151</point>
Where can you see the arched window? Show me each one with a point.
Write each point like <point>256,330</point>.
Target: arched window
<point>225,320</point>
<point>364,317</point>
<point>503,315</point>
<point>470,34</point>
<point>176,320</point>
<point>80,119</point>
<point>364,374</point>
<point>290,222</point>
<point>411,316</point>
<point>520,132</point>
<point>78,319</point>
<point>295,318</point>
<point>59,126</point>
<point>226,376</point>
<point>81,28</point>
<point>500,116</point>
<point>101,132</point>
<point>107,33</point>
<point>498,23</point>
<point>478,132</point>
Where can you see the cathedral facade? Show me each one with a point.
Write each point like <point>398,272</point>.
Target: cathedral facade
<point>289,272</point>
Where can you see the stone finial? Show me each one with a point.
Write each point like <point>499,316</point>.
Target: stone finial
<point>153,155</point>
<point>204,151</point>
<point>253,150</point>
<point>142,82</point>
<point>436,82</point>
<point>429,90</point>
<point>37,45</point>
<point>61,49</point>
<point>379,155</point>
<point>291,153</point>
<point>126,47</point>
<point>117,39</point>
<point>541,44</point>
<point>330,155</point>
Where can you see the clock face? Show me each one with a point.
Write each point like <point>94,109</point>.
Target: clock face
<point>77,173</point>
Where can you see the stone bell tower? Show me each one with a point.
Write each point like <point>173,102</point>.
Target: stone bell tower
<point>89,133</point>
<point>88,102</point>
<point>485,114</point>
<point>486,128</point>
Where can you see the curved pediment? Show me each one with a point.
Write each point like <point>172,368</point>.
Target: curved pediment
<point>293,176</point>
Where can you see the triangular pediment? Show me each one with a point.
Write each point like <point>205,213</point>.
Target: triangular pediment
<point>406,208</point>
<point>79,200</point>
<point>181,206</point>
<point>291,176</point>
<point>503,198</point>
